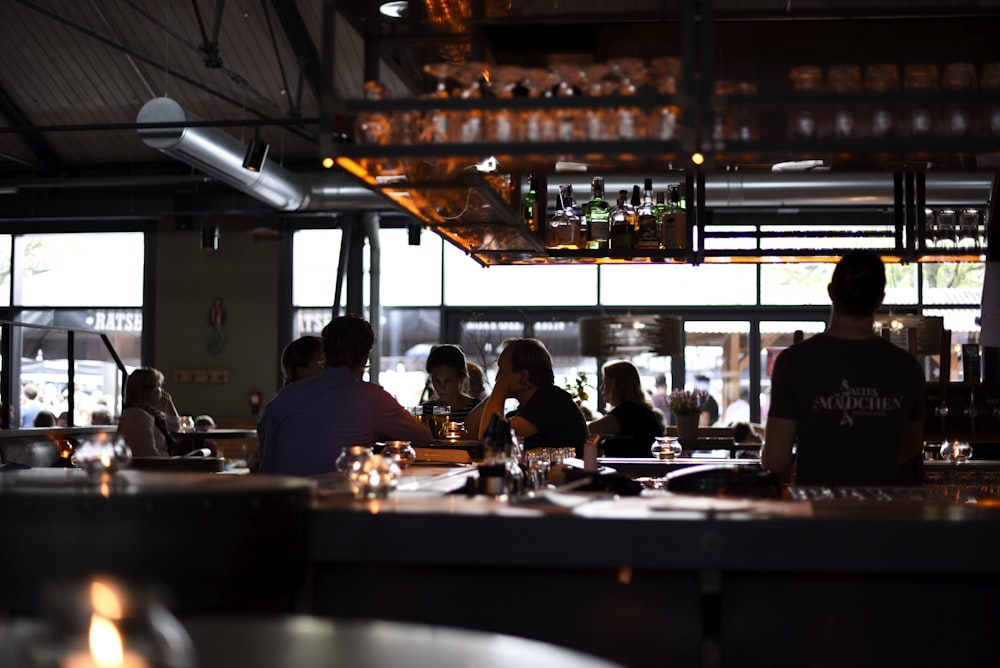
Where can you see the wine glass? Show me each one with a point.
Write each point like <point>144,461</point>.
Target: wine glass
<point>570,124</point>
<point>436,123</point>
<point>598,120</point>
<point>502,125</point>
<point>666,72</point>
<point>632,74</point>
<point>468,124</point>
<point>539,125</point>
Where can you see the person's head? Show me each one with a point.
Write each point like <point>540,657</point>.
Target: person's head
<point>100,416</point>
<point>701,381</point>
<point>30,392</point>
<point>347,342</point>
<point>530,357</point>
<point>477,386</point>
<point>661,382</point>
<point>303,358</point>
<point>204,423</point>
<point>858,284</point>
<point>449,373</point>
<point>743,432</point>
<point>622,384</point>
<point>44,419</point>
<point>143,388</point>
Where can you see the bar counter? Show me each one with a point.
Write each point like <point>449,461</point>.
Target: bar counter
<point>676,580</point>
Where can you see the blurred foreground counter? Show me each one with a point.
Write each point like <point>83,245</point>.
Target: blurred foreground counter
<point>214,542</point>
<point>835,578</point>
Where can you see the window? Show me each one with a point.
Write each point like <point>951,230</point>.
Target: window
<point>62,282</point>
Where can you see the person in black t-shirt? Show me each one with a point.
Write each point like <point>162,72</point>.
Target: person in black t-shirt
<point>710,409</point>
<point>633,424</point>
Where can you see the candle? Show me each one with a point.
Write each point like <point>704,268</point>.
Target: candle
<point>88,660</point>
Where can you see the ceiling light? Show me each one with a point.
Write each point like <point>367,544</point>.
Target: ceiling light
<point>256,154</point>
<point>393,10</point>
<point>209,236</point>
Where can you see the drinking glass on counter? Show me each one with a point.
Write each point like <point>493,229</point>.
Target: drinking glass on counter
<point>440,417</point>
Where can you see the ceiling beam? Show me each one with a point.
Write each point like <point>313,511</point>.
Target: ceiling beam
<point>301,43</point>
<point>43,151</point>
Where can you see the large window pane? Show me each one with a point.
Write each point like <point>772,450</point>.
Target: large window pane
<point>678,285</point>
<point>315,256</point>
<point>469,284</point>
<point>774,337</point>
<point>959,283</point>
<point>44,358</point>
<point>805,283</point>
<point>405,337</point>
<point>80,269</point>
<point>5,268</point>
<point>718,350</point>
<point>411,275</point>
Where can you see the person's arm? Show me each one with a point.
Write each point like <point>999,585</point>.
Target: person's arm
<point>397,423</point>
<point>776,454</point>
<point>522,427</point>
<point>608,424</point>
<point>474,419</point>
<point>170,412</point>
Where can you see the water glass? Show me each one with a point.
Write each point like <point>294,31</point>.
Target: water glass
<point>441,416</point>
<point>666,447</point>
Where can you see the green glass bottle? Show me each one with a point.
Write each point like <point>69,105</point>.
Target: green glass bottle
<point>531,207</point>
<point>597,213</point>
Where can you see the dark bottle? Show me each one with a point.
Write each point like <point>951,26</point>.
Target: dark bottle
<point>648,236</point>
<point>531,207</point>
<point>673,231</point>
<point>597,213</point>
<point>622,223</point>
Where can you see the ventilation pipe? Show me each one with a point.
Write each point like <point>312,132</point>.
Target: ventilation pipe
<point>220,155</point>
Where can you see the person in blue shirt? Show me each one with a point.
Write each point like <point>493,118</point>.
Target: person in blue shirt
<point>307,424</point>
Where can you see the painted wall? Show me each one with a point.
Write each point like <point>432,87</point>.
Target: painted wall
<point>244,274</point>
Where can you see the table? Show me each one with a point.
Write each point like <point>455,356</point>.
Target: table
<point>300,641</point>
<point>215,542</point>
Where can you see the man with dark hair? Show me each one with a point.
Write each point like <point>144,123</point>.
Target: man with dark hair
<point>546,415</point>
<point>851,400</point>
<point>309,422</point>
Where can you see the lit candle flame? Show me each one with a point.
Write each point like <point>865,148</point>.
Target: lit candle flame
<point>105,642</point>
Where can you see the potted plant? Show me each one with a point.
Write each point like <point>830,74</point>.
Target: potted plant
<point>686,408</point>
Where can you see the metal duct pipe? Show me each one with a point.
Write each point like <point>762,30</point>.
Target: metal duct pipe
<point>794,190</point>
<point>221,156</point>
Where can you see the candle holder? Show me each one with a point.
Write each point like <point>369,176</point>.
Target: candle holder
<point>106,623</point>
<point>102,456</point>
<point>956,451</point>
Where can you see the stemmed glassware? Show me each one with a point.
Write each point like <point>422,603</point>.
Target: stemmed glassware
<point>539,125</point>
<point>666,72</point>
<point>468,124</point>
<point>502,125</point>
<point>435,127</point>
<point>631,120</point>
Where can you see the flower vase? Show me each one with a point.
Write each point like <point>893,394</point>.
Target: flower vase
<point>687,430</point>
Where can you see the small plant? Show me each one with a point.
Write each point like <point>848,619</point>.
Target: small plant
<point>578,389</point>
<point>687,402</point>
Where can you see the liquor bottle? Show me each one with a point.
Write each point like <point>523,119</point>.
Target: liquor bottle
<point>673,232</point>
<point>531,207</point>
<point>597,213</point>
<point>622,229</point>
<point>648,235</point>
<point>564,227</point>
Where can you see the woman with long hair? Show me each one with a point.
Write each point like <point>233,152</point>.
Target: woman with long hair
<point>148,415</point>
<point>448,373</point>
<point>633,424</point>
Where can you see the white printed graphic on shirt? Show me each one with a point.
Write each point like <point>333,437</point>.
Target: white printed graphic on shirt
<point>855,401</point>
